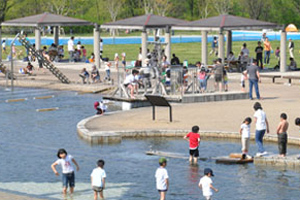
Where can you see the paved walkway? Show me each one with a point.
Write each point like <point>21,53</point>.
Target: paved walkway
<point>212,116</point>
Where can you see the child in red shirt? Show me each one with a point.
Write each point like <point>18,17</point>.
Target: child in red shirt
<point>194,139</point>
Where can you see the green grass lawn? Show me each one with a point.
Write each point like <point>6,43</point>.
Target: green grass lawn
<point>185,51</point>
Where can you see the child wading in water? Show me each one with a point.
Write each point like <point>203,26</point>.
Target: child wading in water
<point>282,134</point>
<point>245,132</point>
<point>206,184</point>
<point>194,139</point>
<point>162,178</point>
<point>68,176</point>
<point>98,180</point>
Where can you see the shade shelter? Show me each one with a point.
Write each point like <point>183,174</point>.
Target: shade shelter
<point>48,19</point>
<point>227,23</point>
<point>143,23</point>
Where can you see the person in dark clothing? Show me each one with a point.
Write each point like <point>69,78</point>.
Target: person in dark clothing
<point>175,60</point>
<point>259,55</point>
<point>293,65</point>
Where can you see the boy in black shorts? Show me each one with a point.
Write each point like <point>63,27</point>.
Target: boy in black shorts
<point>194,139</point>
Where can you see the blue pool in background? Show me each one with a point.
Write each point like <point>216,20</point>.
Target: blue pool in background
<point>236,36</point>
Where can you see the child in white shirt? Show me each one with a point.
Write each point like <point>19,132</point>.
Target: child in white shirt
<point>68,176</point>
<point>162,178</point>
<point>245,133</point>
<point>98,180</point>
<point>206,184</point>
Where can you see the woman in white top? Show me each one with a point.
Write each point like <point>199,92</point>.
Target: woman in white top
<point>262,125</point>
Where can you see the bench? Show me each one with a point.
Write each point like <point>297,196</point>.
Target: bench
<point>270,76</point>
<point>290,78</point>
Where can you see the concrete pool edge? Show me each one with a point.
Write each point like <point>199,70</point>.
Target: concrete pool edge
<point>106,137</point>
<point>114,137</point>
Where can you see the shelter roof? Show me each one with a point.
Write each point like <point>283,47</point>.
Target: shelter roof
<point>46,19</point>
<point>143,22</point>
<point>226,22</point>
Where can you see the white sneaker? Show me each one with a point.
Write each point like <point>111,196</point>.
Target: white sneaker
<point>259,154</point>
<point>248,157</point>
<point>264,153</point>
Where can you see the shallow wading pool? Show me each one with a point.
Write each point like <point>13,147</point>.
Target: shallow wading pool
<point>30,140</point>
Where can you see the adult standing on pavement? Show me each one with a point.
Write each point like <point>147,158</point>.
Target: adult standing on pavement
<point>219,72</point>
<point>261,126</point>
<point>267,48</point>
<point>291,48</point>
<point>71,49</point>
<point>252,71</point>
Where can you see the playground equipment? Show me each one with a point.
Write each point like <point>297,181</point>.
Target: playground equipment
<point>42,60</point>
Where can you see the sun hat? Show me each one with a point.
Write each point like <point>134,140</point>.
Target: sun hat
<point>207,171</point>
<point>162,160</point>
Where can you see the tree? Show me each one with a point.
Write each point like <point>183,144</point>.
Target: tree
<point>203,7</point>
<point>162,6</point>
<point>59,7</point>
<point>190,6</point>
<point>5,5</point>
<point>255,8</point>
<point>114,7</point>
<point>222,6</point>
<point>148,6</point>
<point>296,4</point>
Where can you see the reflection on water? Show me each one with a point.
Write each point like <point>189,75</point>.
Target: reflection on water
<point>30,140</point>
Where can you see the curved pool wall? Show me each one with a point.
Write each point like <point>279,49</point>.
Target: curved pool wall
<point>236,36</point>
<point>107,137</point>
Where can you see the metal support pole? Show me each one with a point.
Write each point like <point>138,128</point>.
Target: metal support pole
<point>283,66</point>
<point>168,46</point>
<point>221,46</point>
<point>12,62</point>
<point>170,114</point>
<point>56,35</point>
<point>37,38</point>
<point>204,47</point>
<point>229,42</point>
<point>153,112</point>
<point>97,46</point>
<point>144,47</point>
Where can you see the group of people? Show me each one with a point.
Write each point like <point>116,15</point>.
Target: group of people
<point>262,127</point>
<point>95,74</point>
<point>76,53</point>
<point>98,175</point>
<point>263,51</point>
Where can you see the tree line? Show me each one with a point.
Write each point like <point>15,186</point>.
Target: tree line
<point>101,11</point>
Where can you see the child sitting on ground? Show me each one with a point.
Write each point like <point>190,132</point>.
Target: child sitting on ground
<point>277,53</point>
<point>282,134</point>
<point>194,139</point>
<point>98,180</point>
<point>84,74</point>
<point>206,184</point>
<point>92,58</point>
<point>245,133</point>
